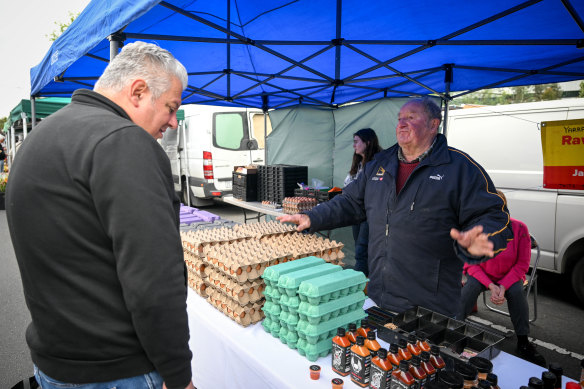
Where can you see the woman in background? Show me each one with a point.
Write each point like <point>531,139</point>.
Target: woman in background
<point>366,145</point>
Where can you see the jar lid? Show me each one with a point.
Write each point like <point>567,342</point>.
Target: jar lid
<point>337,381</point>
<point>468,372</point>
<point>450,378</point>
<point>314,367</point>
<point>483,365</point>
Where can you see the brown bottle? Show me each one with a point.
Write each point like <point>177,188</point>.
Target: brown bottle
<point>427,366</point>
<point>360,363</point>
<point>557,369</point>
<point>341,357</point>
<point>417,371</point>
<point>402,378</point>
<point>469,373</point>
<point>380,371</point>
<point>483,365</point>
<point>403,352</point>
<point>494,380</point>
<point>423,344</point>
<point>372,344</point>
<point>436,359</point>
<point>393,355</point>
<point>352,333</point>
<point>412,346</point>
<point>364,329</point>
<point>549,380</point>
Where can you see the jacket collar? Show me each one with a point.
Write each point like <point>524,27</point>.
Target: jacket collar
<point>86,96</point>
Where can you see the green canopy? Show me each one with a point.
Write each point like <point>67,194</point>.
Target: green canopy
<point>44,107</point>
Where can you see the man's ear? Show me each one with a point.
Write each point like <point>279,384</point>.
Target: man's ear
<point>138,90</point>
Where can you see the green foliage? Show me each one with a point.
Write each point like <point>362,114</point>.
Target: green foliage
<point>517,94</point>
<point>61,27</point>
<point>581,93</point>
<point>2,122</point>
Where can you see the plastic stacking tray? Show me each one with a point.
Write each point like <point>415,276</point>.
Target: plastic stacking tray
<point>315,314</point>
<point>453,336</point>
<point>314,333</point>
<point>288,283</point>
<point>273,273</point>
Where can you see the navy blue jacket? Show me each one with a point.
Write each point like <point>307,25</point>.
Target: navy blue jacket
<point>413,261</point>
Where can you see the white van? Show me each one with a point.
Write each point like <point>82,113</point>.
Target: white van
<point>506,141</point>
<point>209,142</point>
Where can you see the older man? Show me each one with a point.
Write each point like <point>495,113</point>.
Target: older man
<point>94,223</point>
<point>418,196</point>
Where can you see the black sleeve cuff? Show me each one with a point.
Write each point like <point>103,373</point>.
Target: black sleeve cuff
<point>467,257</point>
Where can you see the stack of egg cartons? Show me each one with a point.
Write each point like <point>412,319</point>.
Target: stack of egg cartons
<point>306,303</point>
<point>327,303</point>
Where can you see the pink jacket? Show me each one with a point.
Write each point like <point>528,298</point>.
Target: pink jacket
<point>510,265</point>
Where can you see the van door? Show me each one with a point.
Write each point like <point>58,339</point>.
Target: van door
<point>169,143</point>
<point>256,120</point>
<point>231,146</point>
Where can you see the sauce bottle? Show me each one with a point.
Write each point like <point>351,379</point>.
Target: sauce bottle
<point>427,366</point>
<point>535,383</point>
<point>436,359</point>
<point>484,384</point>
<point>469,374</point>
<point>556,368</point>
<point>380,371</point>
<point>341,357</point>
<point>483,365</point>
<point>364,329</point>
<point>494,380</point>
<point>423,344</point>
<point>352,333</point>
<point>372,344</point>
<point>403,351</point>
<point>360,363</point>
<point>417,371</point>
<point>549,379</point>
<point>402,378</point>
<point>393,355</point>
<point>412,346</point>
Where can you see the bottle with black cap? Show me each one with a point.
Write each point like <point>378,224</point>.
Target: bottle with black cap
<point>535,383</point>
<point>469,373</point>
<point>557,369</point>
<point>451,379</point>
<point>402,378</point>
<point>381,369</point>
<point>436,359</point>
<point>549,380</point>
<point>494,380</point>
<point>484,384</point>
<point>483,365</point>
<point>360,363</point>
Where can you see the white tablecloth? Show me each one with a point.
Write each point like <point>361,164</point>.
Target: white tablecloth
<point>226,355</point>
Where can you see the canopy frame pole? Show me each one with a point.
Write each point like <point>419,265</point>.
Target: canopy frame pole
<point>12,144</point>
<point>446,98</point>
<point>24,125</point>
<point>116,43</point>
<point>265,105</point>
<point>228,46</point>
<point>33,112</point>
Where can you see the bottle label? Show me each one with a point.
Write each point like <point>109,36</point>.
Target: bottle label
<point>360,369</point>
<point>380,379</point>
<point>341,359</point>
<point>398,384</point>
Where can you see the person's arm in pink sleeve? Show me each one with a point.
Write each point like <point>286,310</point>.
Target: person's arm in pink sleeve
<point>523,247</point>
<point>477,272</point>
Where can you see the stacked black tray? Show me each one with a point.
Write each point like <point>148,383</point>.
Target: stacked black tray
<point>245,186</point>
<point>279,181</point>
<point>458,340</point>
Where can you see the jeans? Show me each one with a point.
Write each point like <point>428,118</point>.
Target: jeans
<point>516,303</point>
<point>152,380</point>
<point>361,236</point>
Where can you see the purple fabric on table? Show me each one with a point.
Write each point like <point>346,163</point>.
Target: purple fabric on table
<point>207,216</point>
<point>190,219</point>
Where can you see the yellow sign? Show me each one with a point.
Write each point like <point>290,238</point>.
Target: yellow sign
<point>562,142</point>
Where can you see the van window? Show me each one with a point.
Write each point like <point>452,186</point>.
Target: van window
<point>257,123</point>
<point>229,130</point>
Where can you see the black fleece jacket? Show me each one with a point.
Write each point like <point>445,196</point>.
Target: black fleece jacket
<point>94,222</point>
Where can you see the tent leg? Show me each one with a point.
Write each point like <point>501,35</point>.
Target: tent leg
<point>446,98</point>
<point>33,112</point>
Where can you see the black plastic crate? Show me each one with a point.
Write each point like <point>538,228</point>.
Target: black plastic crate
<point>245,193</point>
<point>245,179</point>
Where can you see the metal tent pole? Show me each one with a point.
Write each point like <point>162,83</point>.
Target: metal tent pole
<point>33,112</point>
<point>24,125</point>
<point>265,109</point>
<point>446,98</point>
<point>12,142</point>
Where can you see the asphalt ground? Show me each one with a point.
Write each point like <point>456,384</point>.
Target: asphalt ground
<point>558,331</point>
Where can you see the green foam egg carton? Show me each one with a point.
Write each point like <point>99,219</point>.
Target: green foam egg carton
<point>273,273</point>
<point>289,337</point>
<point>288,283</point>
<point>289,303</point>
<point>314,351</point>
<point>271,326</point>
<point>332,286</point>
<point>315,314</point>
<point>271,308</point>
<point>314,333</point>
<point>272,293</point>
<point>289,318</point>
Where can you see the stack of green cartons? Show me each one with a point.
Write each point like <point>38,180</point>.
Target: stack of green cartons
<point>309,302</point>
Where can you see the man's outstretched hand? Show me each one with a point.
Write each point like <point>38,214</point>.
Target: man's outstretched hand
<point>475,241</point>
<point>300,219</point>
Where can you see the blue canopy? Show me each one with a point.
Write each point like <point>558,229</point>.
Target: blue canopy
<point>277,53</point>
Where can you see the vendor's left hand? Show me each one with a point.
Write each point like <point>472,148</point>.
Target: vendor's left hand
<point>498,298</point>
<point>475,241</point>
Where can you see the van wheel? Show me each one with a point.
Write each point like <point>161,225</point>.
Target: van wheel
<point>578,279</point>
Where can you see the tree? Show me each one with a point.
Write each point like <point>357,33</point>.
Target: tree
<point>551,92</point>
<point>61,27</point>
<point>581,94</point>
<point>2,122</point>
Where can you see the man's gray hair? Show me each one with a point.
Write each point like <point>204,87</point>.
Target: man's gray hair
<point>432,109</point>
<point>147,61</point>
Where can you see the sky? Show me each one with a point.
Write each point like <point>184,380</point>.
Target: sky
<point>24,31</point>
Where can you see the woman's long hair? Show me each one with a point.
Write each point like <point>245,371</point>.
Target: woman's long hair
<point>369,137</point>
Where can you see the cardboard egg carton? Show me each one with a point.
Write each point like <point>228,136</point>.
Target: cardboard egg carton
<point>195,264</point>
<point>304,245</point>
<point>243,315</point>
<point>199,242</point>
<point>264,228</point>
<point>243,294</point>
<point>245,260</point>
<point>197,284</point>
